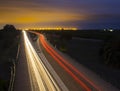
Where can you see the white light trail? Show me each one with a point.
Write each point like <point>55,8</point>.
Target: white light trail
<point>40,78</point>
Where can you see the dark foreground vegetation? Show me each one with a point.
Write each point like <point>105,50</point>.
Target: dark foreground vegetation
<point>9,40</point>
<point>110,51</point>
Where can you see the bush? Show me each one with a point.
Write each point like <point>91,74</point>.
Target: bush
<point>111,52</point>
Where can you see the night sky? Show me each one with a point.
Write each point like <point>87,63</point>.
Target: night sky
<point>83,14</point>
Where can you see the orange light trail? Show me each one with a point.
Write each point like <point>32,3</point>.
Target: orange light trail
<point>62,65</point>
<point>58,58</point>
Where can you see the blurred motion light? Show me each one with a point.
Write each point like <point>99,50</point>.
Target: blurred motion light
<point>111,30</point>
<point>52,28</point>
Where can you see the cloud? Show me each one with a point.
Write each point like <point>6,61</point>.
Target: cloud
<point>59,11</point>
<point>24,15</point>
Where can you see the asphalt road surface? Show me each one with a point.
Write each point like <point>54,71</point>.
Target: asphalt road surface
<point>42,68</point>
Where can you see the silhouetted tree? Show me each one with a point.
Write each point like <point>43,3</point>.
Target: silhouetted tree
<point>9,28</point>
<point>111,52</point>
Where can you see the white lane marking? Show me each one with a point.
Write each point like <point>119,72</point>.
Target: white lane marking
<point>52,71</point>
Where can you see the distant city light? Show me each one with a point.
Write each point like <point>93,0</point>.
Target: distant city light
<point>111,30</point>
<point>58,28</point>
<point>104,29</point>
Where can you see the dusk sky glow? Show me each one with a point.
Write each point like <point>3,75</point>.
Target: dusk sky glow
<point>83,14</point>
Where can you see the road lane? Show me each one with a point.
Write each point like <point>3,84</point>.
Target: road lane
<point>43,76</point>
<point>22,82</point>
<point>41,79</point>
<point>52,71</point>
<point>85,82</point>
<point>63,66</point>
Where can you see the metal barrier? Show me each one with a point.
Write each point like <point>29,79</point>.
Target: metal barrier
<point>12,78</point>
<point>13,70</point>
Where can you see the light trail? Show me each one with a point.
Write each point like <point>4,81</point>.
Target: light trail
<point>86,88</point>
<point>67,66</point>
<point>52,71</point>
<point>40,78</point>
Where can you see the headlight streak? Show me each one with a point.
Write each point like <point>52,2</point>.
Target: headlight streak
<point>32,68</point>
<point>40,78</point>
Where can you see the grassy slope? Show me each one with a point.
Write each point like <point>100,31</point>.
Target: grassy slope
<point>8,48</point>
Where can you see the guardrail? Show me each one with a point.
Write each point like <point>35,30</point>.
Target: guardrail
<point>13,70</point>
<point>12,78</point>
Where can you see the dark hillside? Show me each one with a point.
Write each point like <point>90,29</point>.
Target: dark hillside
<point>9,40</point>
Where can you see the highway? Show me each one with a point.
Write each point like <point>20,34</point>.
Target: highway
<point>40,78</point>
<point>82,81</point>
<point>50,71</point>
